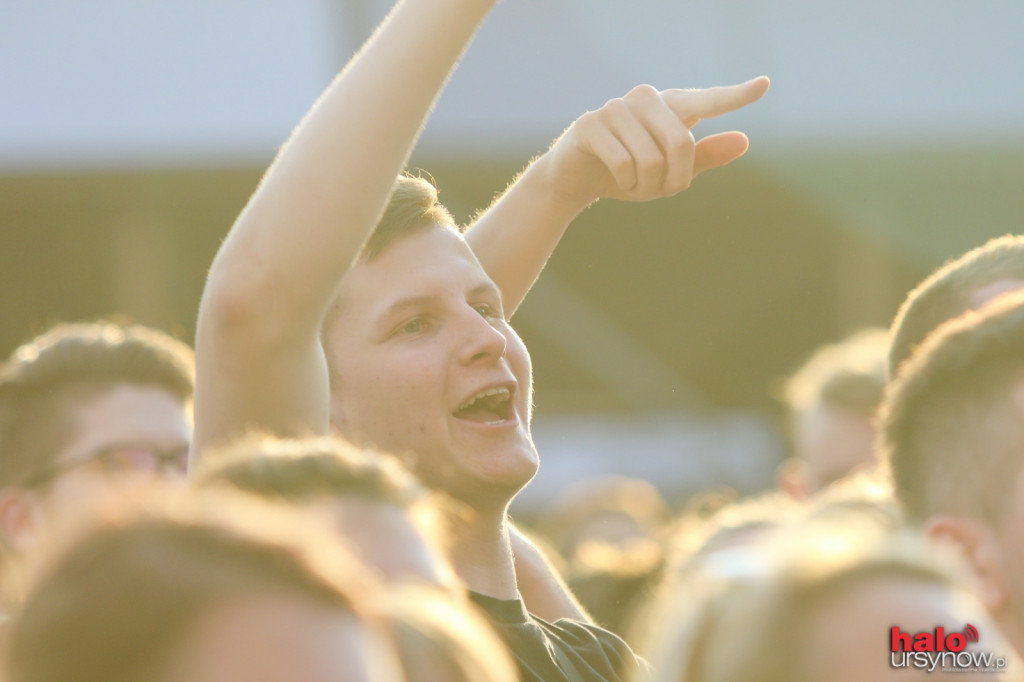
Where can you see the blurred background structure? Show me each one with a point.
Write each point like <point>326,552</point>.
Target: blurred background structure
<point>131,134</point>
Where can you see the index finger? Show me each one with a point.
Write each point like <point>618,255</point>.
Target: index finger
<point>693,105</point>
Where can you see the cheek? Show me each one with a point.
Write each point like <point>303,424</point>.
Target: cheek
<point>384,395</point>
<point>516,351</point>
<point>83,490</point>
<point>406,380</point>
<point>519,359</point>
<point>375,378</point>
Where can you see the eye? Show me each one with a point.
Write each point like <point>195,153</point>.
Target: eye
<point>413,326</point>
<point>129,458</point>
<point>489,312</point>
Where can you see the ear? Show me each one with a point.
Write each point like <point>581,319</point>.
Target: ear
<point>19,518</point>
<point>791,478</point>
<point>978,544</point>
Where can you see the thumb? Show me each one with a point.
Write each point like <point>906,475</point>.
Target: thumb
<point>718,149</point>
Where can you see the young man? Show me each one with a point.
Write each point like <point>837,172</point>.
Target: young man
<point>952,425</point>
<point>418,357</point>
<point>84,408</point>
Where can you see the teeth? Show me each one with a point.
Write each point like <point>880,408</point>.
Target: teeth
<point>502,391</point>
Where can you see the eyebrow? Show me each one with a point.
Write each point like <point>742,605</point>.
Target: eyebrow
<point>404,304</point>
<point>487,287</point>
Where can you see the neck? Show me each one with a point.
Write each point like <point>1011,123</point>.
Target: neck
<point>481,553</point>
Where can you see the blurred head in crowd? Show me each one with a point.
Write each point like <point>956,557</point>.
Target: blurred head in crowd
<point>815,601</point>
<point>438,638</point>
<point>614,582</point>
<point>84,407</point>
<point>711,522</point>
<point>965,283</point>
<point>868,492</point>
<point>423,362</point>
<point>832,401</point>
<point>609,531</point>
<point>612,511</point>
<point>217,590</point>
<point>952,430</point>
<point>388,517</point>
<point>736,523</point>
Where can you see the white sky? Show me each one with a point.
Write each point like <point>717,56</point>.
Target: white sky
<point>124,82</point>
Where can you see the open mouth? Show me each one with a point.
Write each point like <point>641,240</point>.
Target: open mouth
<point>491,406</point>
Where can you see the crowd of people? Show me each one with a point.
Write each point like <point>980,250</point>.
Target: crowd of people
<point>320,490</point>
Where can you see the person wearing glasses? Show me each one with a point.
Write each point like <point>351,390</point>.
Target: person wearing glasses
<point>85,408</point>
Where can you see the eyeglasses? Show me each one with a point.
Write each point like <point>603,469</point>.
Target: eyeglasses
<point>120,458</point>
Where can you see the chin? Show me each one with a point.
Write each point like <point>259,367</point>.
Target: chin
<point>514,480</point>
<point>495,488</point>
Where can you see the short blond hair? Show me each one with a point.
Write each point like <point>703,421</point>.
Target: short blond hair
<point>718,625</point>
<point>412,206</point>
<point>847,375</point>
<point>118,594</point>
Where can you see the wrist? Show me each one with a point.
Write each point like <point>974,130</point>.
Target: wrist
<point>554,198</point>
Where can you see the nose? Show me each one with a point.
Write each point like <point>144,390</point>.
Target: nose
<point>482,339</point>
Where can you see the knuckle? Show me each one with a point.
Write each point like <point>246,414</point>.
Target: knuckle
<point>651,164</point>
<point>621,165</point>
<point>587,121</point>
<point>613,107</point>
<point>643,93</point>
<point>679,143</point>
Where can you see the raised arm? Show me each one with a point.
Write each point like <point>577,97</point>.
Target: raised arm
<point>636,148</point>
<point>259,362</point>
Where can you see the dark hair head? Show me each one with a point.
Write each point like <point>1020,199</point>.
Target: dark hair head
<point>950,425</point>
<point>948,292</point>
<point>300,470</point>
<point>44,379</point>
